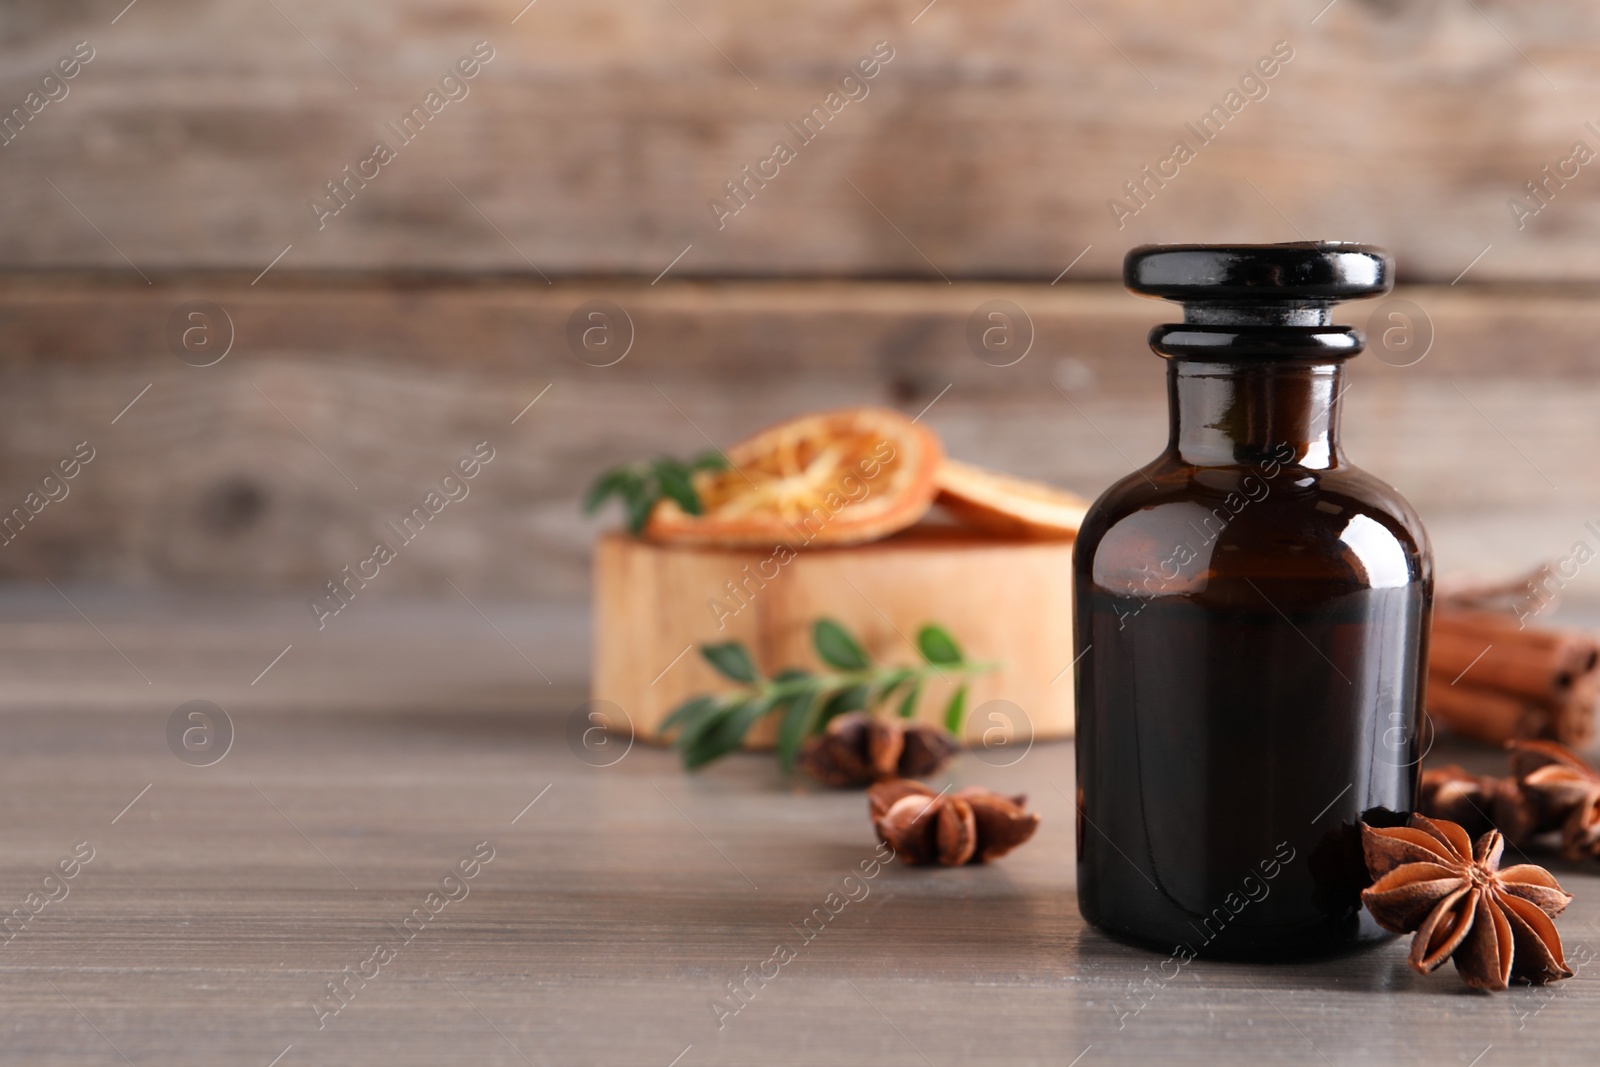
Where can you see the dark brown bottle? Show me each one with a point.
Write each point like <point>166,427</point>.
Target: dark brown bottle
<point>1252,616</point>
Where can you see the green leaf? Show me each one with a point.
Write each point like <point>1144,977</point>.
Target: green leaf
<point>955,713</point>
<point>641,501</point>
<point>695,730</point>
<point>937,646</point>
<point>609,484</point>
<point>908,705</point>
<point>731,660</point>
<point>888,683</point>
<point>708,727</point>
<point>837,648</point>
<point>688,712</point>
<point>799,715</point>
<point>642,484</point>
<point>851,699</point>
<point>725,734</point>
<point>674,482</point>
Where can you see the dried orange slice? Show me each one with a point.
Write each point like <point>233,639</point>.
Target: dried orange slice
<point>835,478</point>
<point>1011,507</point>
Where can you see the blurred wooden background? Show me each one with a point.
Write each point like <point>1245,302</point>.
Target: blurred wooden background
<point>979,165</point>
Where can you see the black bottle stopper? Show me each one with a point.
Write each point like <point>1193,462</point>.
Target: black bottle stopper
<point>1246,302</point>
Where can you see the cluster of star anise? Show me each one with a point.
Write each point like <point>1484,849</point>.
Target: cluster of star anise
<point>1495,924</point>
<point>1551,789</point>
<point>972,825</point>
<point>859,748</point>
<point>1432,881</point>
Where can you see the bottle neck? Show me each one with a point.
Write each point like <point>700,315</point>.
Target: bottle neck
<point>1226,414</point>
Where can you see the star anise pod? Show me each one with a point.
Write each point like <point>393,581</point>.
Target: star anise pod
<point>973,825</point>
<point>1494,923</point>
<point>1479,803</point>
<point>858,749</point>
<point>1565,791</point>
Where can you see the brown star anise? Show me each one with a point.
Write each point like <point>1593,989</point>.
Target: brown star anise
<point>858,749</point>
<point>1565,791</point>
<point>1494,923</point>
<point>1480,803</point>
<point>973,825</point>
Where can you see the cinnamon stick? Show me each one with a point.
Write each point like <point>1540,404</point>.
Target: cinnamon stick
<point>1486,715</point>
<point>1492,649</point>
<point>1494,716</point>
<point>1573,723</point>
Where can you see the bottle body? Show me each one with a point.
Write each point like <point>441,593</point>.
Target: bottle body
<point>1251,619</point>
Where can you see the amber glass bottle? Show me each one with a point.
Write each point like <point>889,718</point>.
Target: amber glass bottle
<point>1251,619</point>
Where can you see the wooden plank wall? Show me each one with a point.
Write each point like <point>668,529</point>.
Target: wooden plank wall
<point>344,401</point>
<point>980,162</point>
<point>992,140</point>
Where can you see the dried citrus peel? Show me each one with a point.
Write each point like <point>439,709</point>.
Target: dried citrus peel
<point>1011,507</point>
<point>839,477</point>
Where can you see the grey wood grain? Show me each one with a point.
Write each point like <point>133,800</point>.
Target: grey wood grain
<point>616,907</point>
<point>244,474</point>
<point>993,142</point>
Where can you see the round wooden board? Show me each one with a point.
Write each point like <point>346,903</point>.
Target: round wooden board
<point>1004,601</point>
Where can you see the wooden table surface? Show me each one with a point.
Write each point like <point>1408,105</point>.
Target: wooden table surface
<point>620,900</point>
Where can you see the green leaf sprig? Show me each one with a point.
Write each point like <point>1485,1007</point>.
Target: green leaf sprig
<point>712,725</point>
<point>641,484</point>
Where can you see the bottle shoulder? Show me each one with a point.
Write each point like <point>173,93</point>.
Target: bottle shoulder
<point>1197,526</point>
